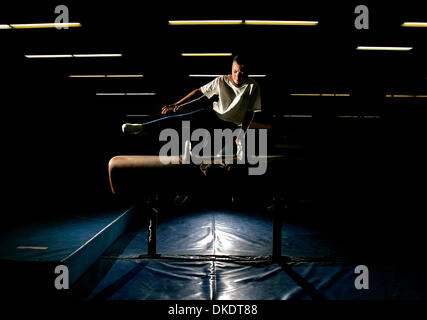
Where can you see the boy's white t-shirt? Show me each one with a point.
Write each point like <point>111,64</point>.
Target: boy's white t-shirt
<point>234,102</point>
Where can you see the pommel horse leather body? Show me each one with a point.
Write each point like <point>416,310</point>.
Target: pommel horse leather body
<point>139,174</point>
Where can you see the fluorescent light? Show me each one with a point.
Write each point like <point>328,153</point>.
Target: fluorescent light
<point>48,56</point>
<point>87,76</point>
<point>414,24</point>
<point>44,25</point>
<point>384,48</point>
<point>297,116</point>
<point>141,93</point>
<point>205,75</point>
<point>401,96</point>
<point>405,96</point>
<point>124,76</point>
<point>126,94</point>
<point>205,22</point>
<point>248,22</point>
<point>281,23</point>
<point>110,94</point>
<point>306,94</point>
<point>97,55</point>
<point>358,117</point>
<point>107,76</point>
<point>5,26</point>
<point>219,75</point>
<point>206,54</point>
<point>320,94</point>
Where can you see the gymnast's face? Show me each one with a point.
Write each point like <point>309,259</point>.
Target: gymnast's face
<point>238,74</point>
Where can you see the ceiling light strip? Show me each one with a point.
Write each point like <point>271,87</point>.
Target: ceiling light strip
<point>124,76</point>
<point>281,22</point>
<point>106,76</point>
<point>220,75</point>
<point>111,94</point>
<point>206,54</point>
<point>297,116</point>
<point>414,24</point>
<point>126,93</point>
<point>95,55</point>
<point>87,76</point>
<point>375,48</point>
<point>320,94</point>
<point>358,116</point>
<point>45,25</point>
<point>205,22</point>
<point>406,96</point>
<point>246,22</point>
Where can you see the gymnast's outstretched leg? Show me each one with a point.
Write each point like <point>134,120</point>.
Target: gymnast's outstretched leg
<point>170,121</point>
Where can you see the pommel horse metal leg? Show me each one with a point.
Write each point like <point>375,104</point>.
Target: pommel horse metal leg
<point>277,230</point>
<point>152,232</point>
<point>151,203</point>
<point>279,201</point>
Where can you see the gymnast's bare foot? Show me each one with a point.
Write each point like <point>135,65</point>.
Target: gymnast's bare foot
<point>132,128</point>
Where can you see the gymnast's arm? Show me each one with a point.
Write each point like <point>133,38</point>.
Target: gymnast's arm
<point>247,120</point>
<point>245,125</point>
<point>175,106</point>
